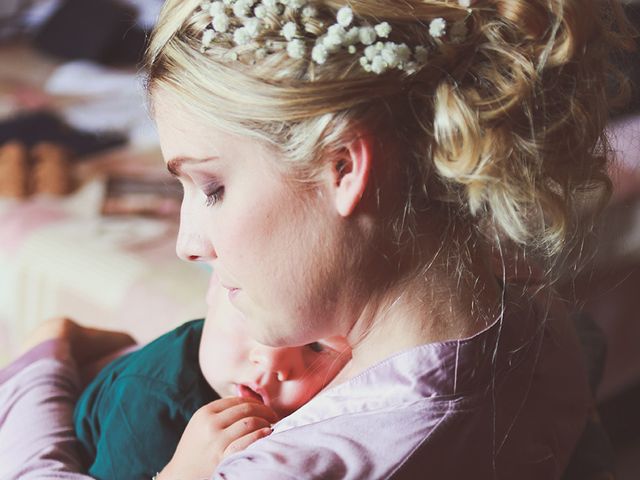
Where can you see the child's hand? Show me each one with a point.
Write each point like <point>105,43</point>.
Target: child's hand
<point>216,430</point>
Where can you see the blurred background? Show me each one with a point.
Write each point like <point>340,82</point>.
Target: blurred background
<point>88,214</point>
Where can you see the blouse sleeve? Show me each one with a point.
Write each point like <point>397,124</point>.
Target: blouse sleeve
<point>38,392</point>
<point>312,451</point>
<point>285,462</point>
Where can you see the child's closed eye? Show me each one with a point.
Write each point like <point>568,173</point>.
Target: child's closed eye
<point>317,347</point>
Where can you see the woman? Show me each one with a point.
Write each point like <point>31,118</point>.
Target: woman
<point>360,171</point>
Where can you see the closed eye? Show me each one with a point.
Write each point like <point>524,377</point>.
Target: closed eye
<point>215,196</point>
<point>316,347</point>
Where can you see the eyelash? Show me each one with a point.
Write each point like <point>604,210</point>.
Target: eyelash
<point>316,347</point>
<point>214,197</point>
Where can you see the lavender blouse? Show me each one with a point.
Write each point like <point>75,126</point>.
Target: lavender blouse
<point>509,402</point>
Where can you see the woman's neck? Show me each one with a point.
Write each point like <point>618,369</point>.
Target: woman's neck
<point>429,308</point>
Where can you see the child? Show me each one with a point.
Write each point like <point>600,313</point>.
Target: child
<point>130,418</point>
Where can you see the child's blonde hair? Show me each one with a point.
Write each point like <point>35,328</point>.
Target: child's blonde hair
<point>505,130</point>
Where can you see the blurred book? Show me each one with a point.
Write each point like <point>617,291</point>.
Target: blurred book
<point>145,196</point>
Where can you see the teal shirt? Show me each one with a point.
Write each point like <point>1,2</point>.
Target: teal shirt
<point>130,418</point>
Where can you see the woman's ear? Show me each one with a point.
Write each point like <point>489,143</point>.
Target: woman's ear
<point>350,173</point>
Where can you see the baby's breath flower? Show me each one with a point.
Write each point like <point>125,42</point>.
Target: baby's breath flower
<point>289,31</point>
<point>383,29</point>
<point>253,26</point>
<point>378,65</point>
<point>309,12</point>
<point>241,8</point>
<point>271,5</point>
<point>347,33</point>
<point>241,36</point>
<point>207,37</point>
<point>345,16</point>
<point>334,38</point>
<point>370,52</point>
<point>367,35</point>
<point>353,36</point>
<point>438,27</point>
<point>336,31</point>
<point>296,4</point>
<point>216,8</point>
<point>319,54</point>
<point>296,48</point>
<point>220,23</point>
<point>332,44</point>
<point>390,55</point>
<point>364,63</point>
<point>260,11</point>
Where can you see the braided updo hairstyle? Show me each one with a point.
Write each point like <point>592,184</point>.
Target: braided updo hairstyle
<point>503,129</point>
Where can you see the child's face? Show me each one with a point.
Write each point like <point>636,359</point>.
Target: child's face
<point>282,378</point>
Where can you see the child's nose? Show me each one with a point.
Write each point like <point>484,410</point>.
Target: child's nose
<point>283,363</point>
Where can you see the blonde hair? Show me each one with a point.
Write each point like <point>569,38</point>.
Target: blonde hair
<point>505,130</point>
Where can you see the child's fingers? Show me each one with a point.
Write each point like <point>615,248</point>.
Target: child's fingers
<point>240,411</point>
<point>243,427</point>
<point>223,404</point>
<point>243,442</point>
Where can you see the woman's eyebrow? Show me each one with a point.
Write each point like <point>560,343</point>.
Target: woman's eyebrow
<point>175,164</point>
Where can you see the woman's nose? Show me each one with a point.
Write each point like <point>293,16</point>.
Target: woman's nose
<point>193,244</point>
<point>283,363</point>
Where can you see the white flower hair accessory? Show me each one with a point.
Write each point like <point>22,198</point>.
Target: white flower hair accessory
<point>294,26</point>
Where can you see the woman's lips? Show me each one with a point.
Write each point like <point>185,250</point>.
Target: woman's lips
<point>245,391</point>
